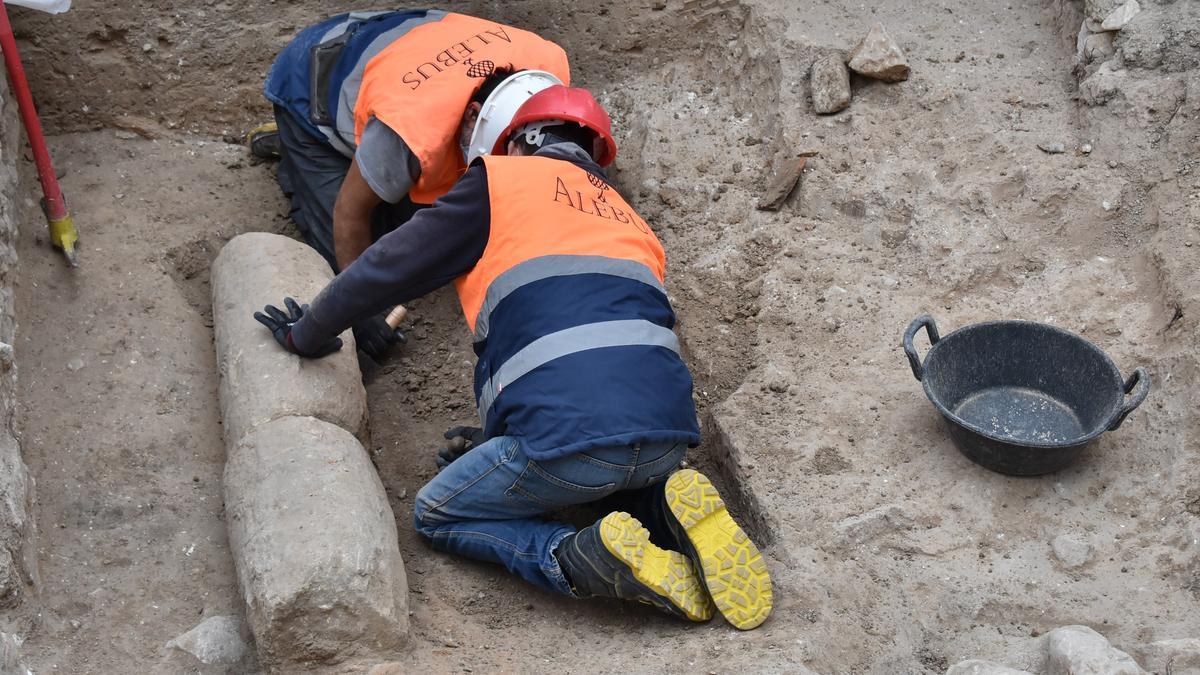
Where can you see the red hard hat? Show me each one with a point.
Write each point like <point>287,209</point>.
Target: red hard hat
<point>571,104</point>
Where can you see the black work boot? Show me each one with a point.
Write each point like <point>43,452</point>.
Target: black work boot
<point>263,141</point>
<point>615,559</point>
<point>729,563</point>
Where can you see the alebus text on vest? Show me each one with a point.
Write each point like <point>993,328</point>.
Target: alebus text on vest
<point>457,53</point>
<point>600,207</point>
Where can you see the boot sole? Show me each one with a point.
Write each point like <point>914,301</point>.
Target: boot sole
<point>666,573</point>
<point>731,565</point>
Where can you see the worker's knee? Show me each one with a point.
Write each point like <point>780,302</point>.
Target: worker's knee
<point>425,514</point>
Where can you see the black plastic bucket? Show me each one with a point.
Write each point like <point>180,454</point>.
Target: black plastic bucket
<point>1020,397</point>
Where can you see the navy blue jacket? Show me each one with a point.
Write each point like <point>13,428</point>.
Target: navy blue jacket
<point>596,397</point>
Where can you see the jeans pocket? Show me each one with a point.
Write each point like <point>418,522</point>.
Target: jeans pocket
<point>539,484</point>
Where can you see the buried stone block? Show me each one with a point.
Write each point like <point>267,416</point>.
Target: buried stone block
<point>314,543</point>
<point>260,381</point>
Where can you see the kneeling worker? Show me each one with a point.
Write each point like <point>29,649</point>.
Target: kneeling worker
<point>378,113</point>
<point>581,389</point>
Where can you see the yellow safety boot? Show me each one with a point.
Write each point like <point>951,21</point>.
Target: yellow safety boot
<point>730,564</point>
<point>615,559</point>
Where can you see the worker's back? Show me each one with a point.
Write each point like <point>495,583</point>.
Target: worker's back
<point>570,315</point>
<point>413,70</point>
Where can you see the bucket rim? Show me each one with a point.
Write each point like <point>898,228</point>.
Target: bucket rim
<point>1115,403</point>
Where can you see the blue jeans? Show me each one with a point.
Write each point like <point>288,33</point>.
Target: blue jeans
<point>486,504</point>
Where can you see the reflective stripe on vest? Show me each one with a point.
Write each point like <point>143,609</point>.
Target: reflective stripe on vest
<point>419,86</point>
<point>625,333</point>
<point>551,218</point>
<point>549,266</point>
<point>544,208</point>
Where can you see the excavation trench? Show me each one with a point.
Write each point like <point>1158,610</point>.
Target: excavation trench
<point>890,552</point>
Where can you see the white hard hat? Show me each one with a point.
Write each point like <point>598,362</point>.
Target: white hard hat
<point>502,104</point>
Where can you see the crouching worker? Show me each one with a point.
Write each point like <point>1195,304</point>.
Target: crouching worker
<point>378,113</point>
<point>581,390</point>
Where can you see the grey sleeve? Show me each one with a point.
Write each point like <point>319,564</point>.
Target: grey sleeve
<point>385,161</point>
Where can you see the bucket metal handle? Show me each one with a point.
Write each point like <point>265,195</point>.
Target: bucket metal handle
<point>914,361</point>
<point>1140,379</point>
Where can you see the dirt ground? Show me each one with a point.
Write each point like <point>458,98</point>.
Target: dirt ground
<point>890,551</point>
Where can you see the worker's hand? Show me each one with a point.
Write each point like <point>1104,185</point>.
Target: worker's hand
<point>375,337</point>
<point>459,440</point>
<point>280,325</point>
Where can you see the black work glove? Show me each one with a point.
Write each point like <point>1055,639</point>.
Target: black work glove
<point>375,337</point>
<point>280,325</point>
<point>459,441</point>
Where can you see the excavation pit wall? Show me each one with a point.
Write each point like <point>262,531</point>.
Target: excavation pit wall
<point>18,552</point>
<point>890,551</point>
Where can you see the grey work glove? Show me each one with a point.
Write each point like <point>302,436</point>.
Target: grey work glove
<point>459,441</point>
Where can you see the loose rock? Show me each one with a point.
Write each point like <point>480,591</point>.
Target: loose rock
<point>217,639</point>
<point>1052,148</point>
<point>878,521</point>
<point>981,667</point>
<point>1079,650</point>
<point>1120,16</point>
<point>879,56</point>
<point>1072,552</point>
<point>314,544</point>
<point>830,84</point>
<point>785,173</point>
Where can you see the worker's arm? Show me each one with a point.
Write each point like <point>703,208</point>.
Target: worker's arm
<point>352,217</point>
<point>383,170</point>
<point>437,246</point>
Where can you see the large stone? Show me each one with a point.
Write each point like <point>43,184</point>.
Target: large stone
<point>1178,657</point>
<point>830,84</point>
<point>980,667</point>
<point>1120,16</point>
<point>1079,650</point>
<point>314,544</point>
<point>879,56</point>
<point>260,381</point>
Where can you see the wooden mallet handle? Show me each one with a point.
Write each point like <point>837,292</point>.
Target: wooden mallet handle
<point>396,317</point>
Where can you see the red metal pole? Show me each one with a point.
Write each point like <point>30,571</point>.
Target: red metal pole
<point>62,230</point>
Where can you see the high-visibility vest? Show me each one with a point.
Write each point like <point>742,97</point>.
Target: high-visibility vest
<point>421,85</point>
<point>414,70</point>
<point>570,317</point>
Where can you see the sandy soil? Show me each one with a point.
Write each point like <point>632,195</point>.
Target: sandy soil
<point>928,196</point>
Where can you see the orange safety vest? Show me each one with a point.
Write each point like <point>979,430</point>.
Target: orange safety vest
<point>552,210</point>
<point>420,85</point>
